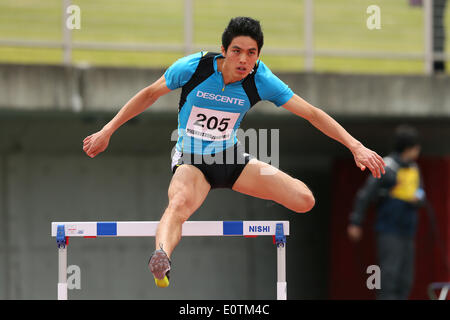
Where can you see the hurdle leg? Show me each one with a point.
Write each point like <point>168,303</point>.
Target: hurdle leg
<point>281,273</point>
<point>62,273</point>
<point>443,294</point>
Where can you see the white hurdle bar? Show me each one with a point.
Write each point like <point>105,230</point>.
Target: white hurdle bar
<point>65,230</point>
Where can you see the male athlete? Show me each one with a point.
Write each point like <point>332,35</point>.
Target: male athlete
<point>217,92</point>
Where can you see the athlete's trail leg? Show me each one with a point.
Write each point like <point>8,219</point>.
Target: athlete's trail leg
<point>262,180</point>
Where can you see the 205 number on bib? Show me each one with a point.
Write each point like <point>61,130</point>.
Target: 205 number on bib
<point>211,125</point>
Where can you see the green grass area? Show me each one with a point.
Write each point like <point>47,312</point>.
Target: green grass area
<point>339,25</point>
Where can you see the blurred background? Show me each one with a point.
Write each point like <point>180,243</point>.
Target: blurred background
<point>67,67</point>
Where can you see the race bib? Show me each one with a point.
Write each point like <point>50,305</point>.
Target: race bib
<point>211,125</point>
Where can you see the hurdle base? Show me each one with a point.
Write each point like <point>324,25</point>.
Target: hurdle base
<point>281,290</point>
<point>62,291</point>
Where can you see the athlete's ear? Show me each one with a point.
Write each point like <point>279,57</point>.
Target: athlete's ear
<point>223,51</point>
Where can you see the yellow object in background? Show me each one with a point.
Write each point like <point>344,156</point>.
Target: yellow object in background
<point>407,184</point>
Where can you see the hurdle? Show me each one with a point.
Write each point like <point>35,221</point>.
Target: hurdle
<point>65,230</point>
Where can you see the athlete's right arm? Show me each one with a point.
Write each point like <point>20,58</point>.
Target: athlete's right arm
<point>98,142</point>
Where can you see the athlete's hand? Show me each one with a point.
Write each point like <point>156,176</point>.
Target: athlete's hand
<point>366,158</point>
<point>96,143</point>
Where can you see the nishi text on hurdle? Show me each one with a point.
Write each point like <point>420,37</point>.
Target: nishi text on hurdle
<point>259,228</point>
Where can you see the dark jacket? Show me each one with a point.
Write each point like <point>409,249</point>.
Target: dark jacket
<point>394,194</point>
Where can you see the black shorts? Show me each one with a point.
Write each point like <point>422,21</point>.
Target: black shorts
<point>221,169</point>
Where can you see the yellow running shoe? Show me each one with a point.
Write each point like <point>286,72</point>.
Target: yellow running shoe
<point>159,265</point>
<point>164,283</point>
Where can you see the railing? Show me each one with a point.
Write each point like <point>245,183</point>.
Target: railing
<point>308,51</point>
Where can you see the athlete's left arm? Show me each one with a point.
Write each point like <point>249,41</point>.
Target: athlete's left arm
<point>364,157</point>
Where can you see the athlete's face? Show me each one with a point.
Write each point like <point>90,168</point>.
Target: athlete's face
<point>240,57</point>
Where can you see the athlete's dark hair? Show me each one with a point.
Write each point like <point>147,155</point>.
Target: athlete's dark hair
<point>405,137</point>
<point>243,26</point>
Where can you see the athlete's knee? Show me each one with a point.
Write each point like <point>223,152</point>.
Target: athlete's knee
<point>310,202</point>
<point>304,200</point>
<point>306,203</point>
<point>181,206</point>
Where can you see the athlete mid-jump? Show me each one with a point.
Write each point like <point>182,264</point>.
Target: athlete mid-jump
<point>217,92</point>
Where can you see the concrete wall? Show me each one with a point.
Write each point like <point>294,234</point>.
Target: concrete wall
<point>41,88</point>
<point>45,177</point>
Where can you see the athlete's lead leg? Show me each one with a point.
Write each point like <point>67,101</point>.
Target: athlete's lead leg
<point>187,191</point>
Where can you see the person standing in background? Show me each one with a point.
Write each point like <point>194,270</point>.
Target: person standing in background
<point>399,194</point>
